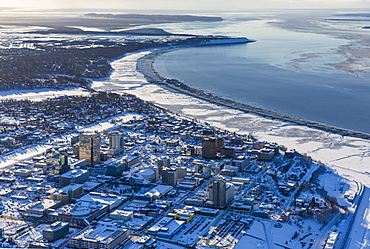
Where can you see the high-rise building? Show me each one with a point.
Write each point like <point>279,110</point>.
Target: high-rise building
<point>219,144</point>
<point>116,143</point>
<point>181,172</point>
<point>56,163</point>
<point>221,193</point>
<point>204,169</point>
<point>169,176</point>
<point>162,163</point>
<point>63,162</point>
<point>89,148</point>
<point>209,148</point>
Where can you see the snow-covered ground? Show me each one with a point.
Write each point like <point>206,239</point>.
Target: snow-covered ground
<point>23,154</point>
<point>41,94</point>
<point>360,233</point>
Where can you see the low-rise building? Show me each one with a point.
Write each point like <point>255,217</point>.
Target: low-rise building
<point>241,162</point>
<point>39,208</point>
<point>74,176</point>
<point>122,215</point>
<point>111,200</point>
<point>266,154</point>
<point>22,172</point>
<point>242,208</point>
<point>65,194</point>
<point>115,168</point>
<point>55,231</point>
<point>107,237</point>
<point>157,192</point>
<point>80,213</point>
<point>166,227</point>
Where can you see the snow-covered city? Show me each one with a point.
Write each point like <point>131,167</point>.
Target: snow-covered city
<point>97,150</point>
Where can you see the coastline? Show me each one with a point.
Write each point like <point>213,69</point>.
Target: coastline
<point>145,66</point>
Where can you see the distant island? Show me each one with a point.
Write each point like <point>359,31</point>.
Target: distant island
<point>158,18</point>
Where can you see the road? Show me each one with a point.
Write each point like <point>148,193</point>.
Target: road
<point>359,236</point>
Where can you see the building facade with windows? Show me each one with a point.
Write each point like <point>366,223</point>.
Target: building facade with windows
<point>89,148</point>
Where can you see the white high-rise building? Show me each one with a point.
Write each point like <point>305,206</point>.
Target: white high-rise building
<point>116,143</point>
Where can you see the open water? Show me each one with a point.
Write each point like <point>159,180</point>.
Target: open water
<point>283,70</point>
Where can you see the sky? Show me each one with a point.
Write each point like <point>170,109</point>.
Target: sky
<point>184,4</point>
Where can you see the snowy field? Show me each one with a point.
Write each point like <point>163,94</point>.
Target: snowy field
<point>41,94</point>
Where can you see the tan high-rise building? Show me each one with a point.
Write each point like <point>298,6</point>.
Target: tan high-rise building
<point>89,148</point>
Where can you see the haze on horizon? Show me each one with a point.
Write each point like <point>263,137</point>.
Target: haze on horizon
<point>231,5</point>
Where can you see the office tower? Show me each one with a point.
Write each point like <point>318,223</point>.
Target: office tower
<point>209,148</point>
<point>169,176</point>
<point>162,163</point>
<point>63,162</point>
<point>219,144</point>
<point>221,193</point>
<point>116,142</point>
<point>90,148</point>
<point>181,172</point>
<point>56,163</point>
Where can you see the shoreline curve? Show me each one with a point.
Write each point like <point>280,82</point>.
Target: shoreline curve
<point>145,66</point>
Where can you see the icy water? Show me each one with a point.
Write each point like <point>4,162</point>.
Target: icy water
<point>283,70</point>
